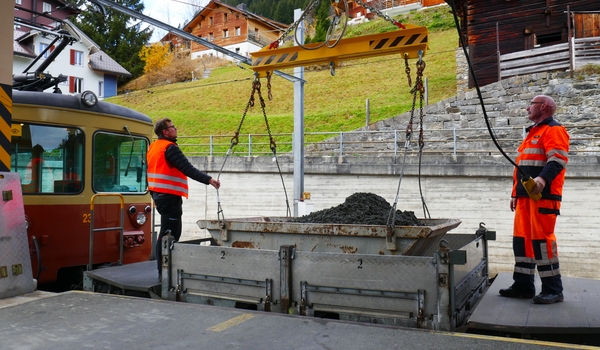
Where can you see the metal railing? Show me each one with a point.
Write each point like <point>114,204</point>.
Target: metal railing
<point>454,141</point>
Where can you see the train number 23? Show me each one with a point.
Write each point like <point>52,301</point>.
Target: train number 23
<point>86,218</point>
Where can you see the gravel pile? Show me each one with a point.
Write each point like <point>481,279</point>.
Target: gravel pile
<point>360,209</point>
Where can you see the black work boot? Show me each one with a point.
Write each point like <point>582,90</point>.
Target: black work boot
<point>548,298</point>
<point>515,292</point>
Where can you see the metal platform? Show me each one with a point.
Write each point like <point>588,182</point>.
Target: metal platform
<point>578,314</point>
<point>73,320</point>
<point>140,277</point>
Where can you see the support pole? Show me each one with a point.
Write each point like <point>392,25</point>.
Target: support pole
<point>298,139</point>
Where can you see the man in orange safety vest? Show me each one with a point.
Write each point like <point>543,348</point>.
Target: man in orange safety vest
<point>543,156</point>
<point>168,170</point>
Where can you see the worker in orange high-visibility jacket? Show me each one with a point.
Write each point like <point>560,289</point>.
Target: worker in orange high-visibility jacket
<point>543,156</point>
<point>168,170</point>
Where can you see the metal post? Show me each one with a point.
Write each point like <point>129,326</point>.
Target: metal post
<point>211,145</point>
<point>298,137</point>
<point>368,108</point>
<point>249,145</point>
<point>6,58</point>
<point>341,144</point>
<point>454,141</point>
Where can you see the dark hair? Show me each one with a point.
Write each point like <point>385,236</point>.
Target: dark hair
<point>161,125</point>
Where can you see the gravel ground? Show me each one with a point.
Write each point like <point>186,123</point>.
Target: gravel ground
<point>360,209</point>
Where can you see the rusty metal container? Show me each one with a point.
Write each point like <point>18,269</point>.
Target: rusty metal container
<point>273,232</point>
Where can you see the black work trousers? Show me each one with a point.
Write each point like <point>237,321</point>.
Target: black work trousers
<point>169,206</point>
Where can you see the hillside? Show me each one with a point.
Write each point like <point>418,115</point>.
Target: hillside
<point>214,106</point>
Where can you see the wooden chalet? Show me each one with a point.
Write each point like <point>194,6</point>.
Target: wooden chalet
<point>233,28</point>
<point>498,27</point>
<point>46,14</point>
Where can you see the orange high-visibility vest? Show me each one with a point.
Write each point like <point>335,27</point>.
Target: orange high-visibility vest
<point>545,142</point>
<point>162,176</point>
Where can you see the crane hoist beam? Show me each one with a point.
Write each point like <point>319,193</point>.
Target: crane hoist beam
<point>407,41</point>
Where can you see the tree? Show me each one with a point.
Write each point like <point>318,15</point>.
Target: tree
<point>155,57</point>
<point>118,35</point>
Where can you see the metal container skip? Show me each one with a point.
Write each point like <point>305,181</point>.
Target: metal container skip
<point>273,232</point>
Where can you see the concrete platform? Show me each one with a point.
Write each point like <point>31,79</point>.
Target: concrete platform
<point>75,320</point>
<point>579,313</point>
<point>141,276</point>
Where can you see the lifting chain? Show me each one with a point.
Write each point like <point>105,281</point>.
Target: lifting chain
<point>419,89</point>
<point>309,9</point>
<point>235,140</point>
<point>381,14</point>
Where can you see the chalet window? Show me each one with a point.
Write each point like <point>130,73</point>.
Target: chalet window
<point>43,47</point>
<point>210,21</point>
<point>211,37</point>
<point>225,17</point>
<point>76,58</point>
<point>100,88</point>
<point>46,7</point>
<point>237,31</point>
<point>225,33</point>
<point>75,85</point>
<point>18,2</point>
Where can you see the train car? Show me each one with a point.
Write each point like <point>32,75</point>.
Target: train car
<point>82,168</point>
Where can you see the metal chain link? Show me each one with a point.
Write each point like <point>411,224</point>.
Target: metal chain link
<point>294,26</point>
<point>269,93</point>
<point>381,14</point>
<point>407,70</point>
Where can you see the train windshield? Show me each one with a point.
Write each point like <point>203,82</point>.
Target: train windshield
<point>49,159</point>
<point>119,163</point>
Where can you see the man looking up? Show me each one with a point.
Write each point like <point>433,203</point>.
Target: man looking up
<point>543,155</point>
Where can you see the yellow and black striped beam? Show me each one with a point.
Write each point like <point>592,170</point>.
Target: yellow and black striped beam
<point>5,122</point>
<point>403,41</point>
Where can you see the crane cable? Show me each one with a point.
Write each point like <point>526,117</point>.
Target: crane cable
<point>526,180</point>
<point>235,140</point>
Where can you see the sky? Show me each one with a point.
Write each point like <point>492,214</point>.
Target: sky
<point>172,12</point>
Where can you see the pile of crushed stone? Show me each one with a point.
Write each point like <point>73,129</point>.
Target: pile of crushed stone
<point>360,209</point>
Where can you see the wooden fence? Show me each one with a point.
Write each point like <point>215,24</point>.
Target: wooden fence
<point>575,54</point>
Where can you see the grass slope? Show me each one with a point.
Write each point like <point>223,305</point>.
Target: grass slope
<point>214,106</point>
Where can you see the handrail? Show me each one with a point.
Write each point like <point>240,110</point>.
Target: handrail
<point>452,141</point>
<point>119,228</point>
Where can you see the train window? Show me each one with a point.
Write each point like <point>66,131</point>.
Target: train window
<point>49,159</point>
<point>119,163</point>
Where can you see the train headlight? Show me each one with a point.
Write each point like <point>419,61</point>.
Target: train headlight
<point>89,98</point>
<point>132,209</point>
<point>140,219</point>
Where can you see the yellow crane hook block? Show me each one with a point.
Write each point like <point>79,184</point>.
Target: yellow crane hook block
<point>407,41</point>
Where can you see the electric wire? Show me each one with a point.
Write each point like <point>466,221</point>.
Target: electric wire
<point>479,95</point>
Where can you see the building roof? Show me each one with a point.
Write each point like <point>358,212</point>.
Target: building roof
<point>101,62</point>
<point>18,49</point>
<point>213,4</point>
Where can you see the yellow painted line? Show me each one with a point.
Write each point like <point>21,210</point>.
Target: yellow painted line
<point>230,323</point>
<point>521,341</point>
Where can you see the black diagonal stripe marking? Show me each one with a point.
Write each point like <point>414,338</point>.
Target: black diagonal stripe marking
<point>294,57</point>
<point>413,39</point>
<point>271,58</point>
<point>381,43</point>
<point>397,41</point>
<point>282,58</point>
<point>257,62</point>
<point>424,39</point>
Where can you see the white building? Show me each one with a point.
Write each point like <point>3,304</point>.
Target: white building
<point>83,64</point>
